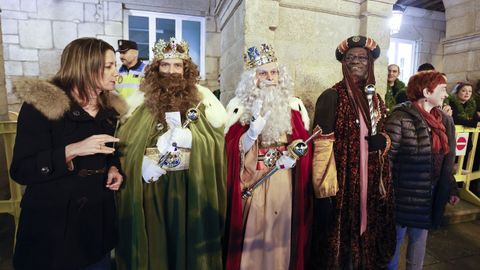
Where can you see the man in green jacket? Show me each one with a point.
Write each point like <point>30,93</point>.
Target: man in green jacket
<point>396,92</point>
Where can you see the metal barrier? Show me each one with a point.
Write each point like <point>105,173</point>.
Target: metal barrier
<point>8,130</point>
<point>467,175</point>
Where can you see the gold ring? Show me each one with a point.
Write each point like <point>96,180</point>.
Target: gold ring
<point>100,146</point>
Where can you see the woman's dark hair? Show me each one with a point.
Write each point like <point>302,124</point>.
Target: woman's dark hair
<point>81,66</point>
<point>459,86</point>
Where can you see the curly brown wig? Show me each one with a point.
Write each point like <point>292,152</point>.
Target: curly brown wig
<point>166,92</point>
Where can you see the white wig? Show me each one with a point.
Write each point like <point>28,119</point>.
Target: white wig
<point>275,99</point>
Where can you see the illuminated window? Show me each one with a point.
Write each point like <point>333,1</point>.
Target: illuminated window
<point>146,28</point>
<point>402,53</point>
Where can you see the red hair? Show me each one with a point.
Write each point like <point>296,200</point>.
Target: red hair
<point>422,80</point>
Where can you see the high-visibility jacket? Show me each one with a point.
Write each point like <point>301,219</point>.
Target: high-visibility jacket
<point>129,79</point>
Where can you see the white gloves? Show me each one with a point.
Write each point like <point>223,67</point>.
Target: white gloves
<point>285,162</point>
<point>164,142</point>
<point>257,124</point>
<point>151,172</point>
<point>182,137</point>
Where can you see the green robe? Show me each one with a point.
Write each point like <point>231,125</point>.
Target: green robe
<point>178,221</point>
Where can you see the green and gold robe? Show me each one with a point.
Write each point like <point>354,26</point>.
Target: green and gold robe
<point>178,221</point>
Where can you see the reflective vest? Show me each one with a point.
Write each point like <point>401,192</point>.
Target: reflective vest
<point>129,80</point>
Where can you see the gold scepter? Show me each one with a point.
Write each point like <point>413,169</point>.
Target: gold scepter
<point>296,149</point>
<point>192,115</point>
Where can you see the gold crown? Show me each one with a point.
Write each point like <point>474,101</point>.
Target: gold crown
<point>172,49</point>
<point>255,57</point>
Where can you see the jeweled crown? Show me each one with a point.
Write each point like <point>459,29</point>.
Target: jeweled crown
<point>172,49</point>
<point>255,57</point>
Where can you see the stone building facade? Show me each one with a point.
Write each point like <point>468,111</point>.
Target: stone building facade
<point>461,52</point>
<point>36,31</point>
<point>427,29</point>
<point>304,34</point>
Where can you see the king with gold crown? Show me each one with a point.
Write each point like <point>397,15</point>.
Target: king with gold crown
<point>268,230</point>
<point>172,205</point>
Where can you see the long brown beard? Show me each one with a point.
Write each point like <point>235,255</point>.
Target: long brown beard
<point>166,92</point>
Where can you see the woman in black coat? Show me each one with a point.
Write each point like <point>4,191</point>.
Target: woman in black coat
<point>63,156</point>
<point>422,155</point>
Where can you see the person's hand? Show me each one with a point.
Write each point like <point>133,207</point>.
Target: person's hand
<point>257,123</point>
<point>453,200</point>
<point>151,172</point>
<point>447,109</point>
<point>478,115</point>
<point>92,145</point>
<point>114,178</point>
<point>182,137</point>
<point>285,162</point>
<point>164,142</point>
<point>376,142</point>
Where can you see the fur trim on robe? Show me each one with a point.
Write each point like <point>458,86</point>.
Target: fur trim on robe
<point>214,110</point>
<point>51,100</point>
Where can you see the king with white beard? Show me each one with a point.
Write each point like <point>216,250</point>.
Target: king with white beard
<point>269,230</point>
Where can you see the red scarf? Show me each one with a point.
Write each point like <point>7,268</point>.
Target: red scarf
<point>439,134</point>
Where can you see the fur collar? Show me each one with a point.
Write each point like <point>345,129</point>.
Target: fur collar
<point>214,110</point>
<point>52,101</point>
<point>235,109</point>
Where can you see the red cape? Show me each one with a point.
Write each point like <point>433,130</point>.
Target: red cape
<point>302,199</point>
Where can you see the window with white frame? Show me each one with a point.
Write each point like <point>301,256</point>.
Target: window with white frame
<point>146,28</point>
<point>402,53</point>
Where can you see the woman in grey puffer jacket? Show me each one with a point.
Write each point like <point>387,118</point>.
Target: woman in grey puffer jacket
<point>422,155</point>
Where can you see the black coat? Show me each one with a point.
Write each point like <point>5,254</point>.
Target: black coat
<point>67,219</point>
<point>419,200</point>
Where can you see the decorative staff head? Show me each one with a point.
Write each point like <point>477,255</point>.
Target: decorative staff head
<point>192,114</point>
<point>370,89</point>
<point>297,149</point>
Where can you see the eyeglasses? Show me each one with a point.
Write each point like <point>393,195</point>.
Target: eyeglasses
<point>359,58</point>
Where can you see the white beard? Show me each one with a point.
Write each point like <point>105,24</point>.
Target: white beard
<point>279,121</point>
<point>275,99</point>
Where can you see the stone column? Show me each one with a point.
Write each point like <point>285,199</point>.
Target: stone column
<point>374,16</point>
<point>304,35</point>
<point>3,88</point>
<point>230,16</point>
<point>462,42</point>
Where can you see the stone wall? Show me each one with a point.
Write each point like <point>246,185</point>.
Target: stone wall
<point>427,28</point>
<point>462,42</point>
<point>36,31</point>
<point>3,92</point>
<point>304,34</point>
<point>230,16</point>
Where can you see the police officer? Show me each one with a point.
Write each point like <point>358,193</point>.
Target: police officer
<point>131,71</point>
